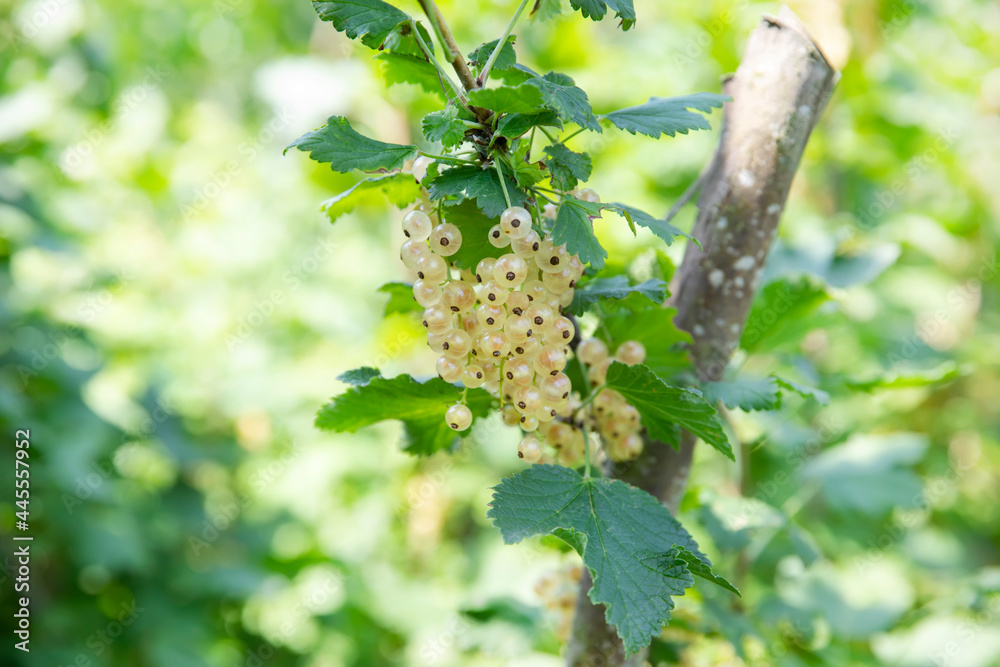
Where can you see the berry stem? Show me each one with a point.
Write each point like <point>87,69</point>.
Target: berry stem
<point>590,399</point>
<point>571,135</point>
<point>548,134</point>
<point>536,192</point>
<point>454,55</point>
<point>586,450</point>
<point>503,40</point>
<point>445,158</point>
<point>441,71</point>
<point>503,181</point>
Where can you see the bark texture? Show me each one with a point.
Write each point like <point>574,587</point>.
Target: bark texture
<point>779,92</point>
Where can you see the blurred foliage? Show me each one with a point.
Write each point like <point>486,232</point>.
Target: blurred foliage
<point>175,308</point>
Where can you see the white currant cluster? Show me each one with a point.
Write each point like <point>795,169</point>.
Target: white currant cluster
<point>617,421</point>
<point>558,591</point>
<point>501,327</point>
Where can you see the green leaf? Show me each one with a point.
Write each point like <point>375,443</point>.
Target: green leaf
<point>345,150</point>
<point>574,226</point>
<point>745,393</point>
<point>444,126</point>
<point>359,377</point>
<point>596,9</point>
<point>780,313</point>
<point>401,68</point>
<point>804,391</point>
<point>402,40</point>
<point>942,374</point>
<point>472,182</point>
<point>399,188</point>
<point>543,10</point>
<point>658,226</point>
<point>567,167</point>
<point>666,345</point>
<point>506,59</point>
<point>371,20</point>
<point>662,405</point>
<point>524,98</point>
<point>625,536</point>
<point>474,227</point>
<point>667,115</point>
<point>420,406</point>
<point>616,287</point>
<point>400,299</point>
<point>561,94</point>
<point>515,124</point>
<point>697,566</point>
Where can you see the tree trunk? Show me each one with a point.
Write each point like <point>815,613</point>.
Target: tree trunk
<point>778,92</point>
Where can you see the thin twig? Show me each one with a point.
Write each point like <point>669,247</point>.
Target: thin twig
<point>503,40</point>
<point>454,56</point>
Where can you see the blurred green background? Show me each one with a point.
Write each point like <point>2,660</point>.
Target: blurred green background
<point>175,309</point>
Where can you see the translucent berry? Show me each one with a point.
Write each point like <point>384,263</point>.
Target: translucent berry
<point>632,446</point>
<point>458,417</point>
<point>456,344</point>
<point>437,319</point>
<point>528,348</point>
<point>411,252</point>
<point>541,316</point>
<point>449,369</point>
<point>517,303</point>
<point>559,282</point>
<point>426,294</point>
<point>555,387</point>
<point>562,330</point>
<point>530,449</point>
<point>471,325</point>
<point>550,360</point>
<point>518,371</point>
<point>550,211</point>
<point>598,373</point>
<point>491,317</point>
<point>497,238</point>
<point>528,423</point>
<point>545,414</point>
<point>484,270</point>
<point>510,271</point>
<point>494,344</point>
<point>526,246</point>
<point>436,341</point>
<point>432,269</point>
<point>527,400</point>
<point>631,352</point>
<point>588,194</point>
<point>565,299</point>
<point>518,328</point>
<point>494,294</point>
<point>473,376</point>
<point>535,290</point>
<point>515,222</point>
<point>420,167</point>
<point>417,225</point>
<point>551,258</point>
<point>446,239</point>
<point>458,296</point>
<point>592,351</point>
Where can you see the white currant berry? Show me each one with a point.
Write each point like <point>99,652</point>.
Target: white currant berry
<point>550,211</point>
<point>535,290</point>
<point>432,269</point>
<point>493,294</point>
<point>497,238</point>
<point>528,423</point>
<point>436,341</point>
<point>518,328</point>
<point>592,351</point>
<point>541,315</point>
<point>551,258</point>
<point>588,194</point>
<point>518,371</point>
<point>458,417</point>
<point>631,352</point>
<point>458,296</point>
<point>550,360</point>
<point>555,387</point>
<point>484,270</point>
<point>420,167</point>
<point>510,271</point>
<point>562,330</point>
<point>518,302</point>
<point>545,414</point>
<point>450,370</point>
<point>527,245</point>
<point>426,294</point>
<point>566,299</point>
<point>471,325</point>
<point>528,348</point>
<point>494,344</point>
<point>457,344</point>
<point>446,239</point>
<point>473,376</point>
<point>437,319</point>
<point>412,251</point>
<point>559,282</point>
<point>527,400</point>
<point>632,446</point>
<point>530,449</point>
<point>417,225</point>
<point>515,222</point>
<point>491,317</point>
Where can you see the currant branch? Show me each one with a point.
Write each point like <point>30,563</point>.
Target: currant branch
<point>454,55</point>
